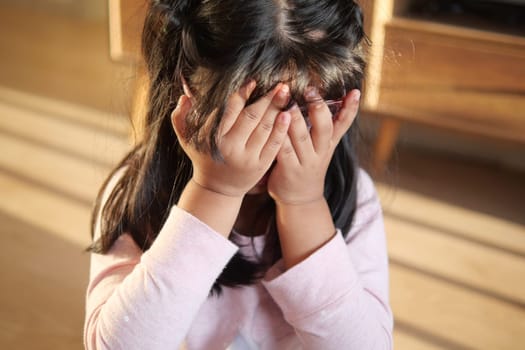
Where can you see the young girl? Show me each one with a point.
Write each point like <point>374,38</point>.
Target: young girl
<point>242,218</point>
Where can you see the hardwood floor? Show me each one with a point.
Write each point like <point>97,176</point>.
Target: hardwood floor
<point>455,268</point>
<point>60,57</point>
<point>455,228</point>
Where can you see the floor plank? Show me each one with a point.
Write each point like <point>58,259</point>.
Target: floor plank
<point>490,270</point>
<point>71,113</point>
<point>49,211</point>
<point>93,145</point>
<point>42,298</point>
<point>456,220</point>
<point>404,340</point>
<point>446,311</point>
<point>479,186</point>
<point>50,168</point>
<point>61,57</point>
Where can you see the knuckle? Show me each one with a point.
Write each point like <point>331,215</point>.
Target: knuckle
<point>266,126</point>
<point>296,117</point>
<point>274,143</point>
<point>303,137</point>
<point>287,150</point>
<point>249,115</point>
<point>229,110</point>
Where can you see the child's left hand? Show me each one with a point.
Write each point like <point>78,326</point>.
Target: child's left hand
<point>299,174</point>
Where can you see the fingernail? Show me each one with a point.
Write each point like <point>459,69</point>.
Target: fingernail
<point>283,92</point>
<point>294,107</point>
<point>356,96</point>
<point>250,87</point>
<point>286,118</point>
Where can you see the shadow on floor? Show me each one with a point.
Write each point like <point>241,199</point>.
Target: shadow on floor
<point>44,281</point>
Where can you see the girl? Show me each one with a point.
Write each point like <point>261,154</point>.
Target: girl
<point>242,217</point>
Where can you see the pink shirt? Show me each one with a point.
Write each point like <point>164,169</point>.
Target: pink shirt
<point>337,298</point>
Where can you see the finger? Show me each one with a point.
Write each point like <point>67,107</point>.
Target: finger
<point>259,136</point>
<point>346,116</point>
<point>287,153</point>
<point>178,117</point>
<point>300,136</point>
<point>278,136</point>
<point>249,118</point>
<point>235,105</point>
<point>320,119</point>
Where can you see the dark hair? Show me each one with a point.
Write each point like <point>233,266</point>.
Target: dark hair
<point>216,46</point>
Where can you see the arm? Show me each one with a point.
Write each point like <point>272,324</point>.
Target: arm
<point>148,300</point>
<point>337,298</point>
<point>297,180</point>
<point>334,294</point>
<point>303,229</point>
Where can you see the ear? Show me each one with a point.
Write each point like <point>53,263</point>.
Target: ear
<point>178,116</point>
<point>185,87</point>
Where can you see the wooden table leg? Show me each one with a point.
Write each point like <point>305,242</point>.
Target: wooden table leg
<point>139,104</point>
<point>386,139</point>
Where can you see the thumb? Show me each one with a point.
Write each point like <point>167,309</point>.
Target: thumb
<point>178,116</point>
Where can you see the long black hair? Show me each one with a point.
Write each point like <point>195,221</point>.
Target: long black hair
<point>216,46</point>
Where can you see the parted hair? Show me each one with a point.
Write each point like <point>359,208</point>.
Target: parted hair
<point>215,46</point>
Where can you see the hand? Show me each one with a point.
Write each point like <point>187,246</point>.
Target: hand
<point>249,139</point>
<point>299,174</point>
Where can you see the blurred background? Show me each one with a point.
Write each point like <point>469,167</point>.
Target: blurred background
<point>444,136</point>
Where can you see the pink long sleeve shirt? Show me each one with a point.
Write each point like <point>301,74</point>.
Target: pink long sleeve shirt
<point>337,298</point>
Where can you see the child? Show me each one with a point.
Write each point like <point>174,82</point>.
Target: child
<point>241,217</point>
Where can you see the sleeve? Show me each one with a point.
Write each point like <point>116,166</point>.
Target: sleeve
<point>338,298</point>
<point>148,300</point>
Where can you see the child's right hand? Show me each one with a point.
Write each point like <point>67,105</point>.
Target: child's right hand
<point>249,139</point>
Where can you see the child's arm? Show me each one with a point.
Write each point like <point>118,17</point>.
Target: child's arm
<point>338,297</point>
<point>148,301</point>
<point>335,295</point>
<point>304,221</point>
<point>249,139</point>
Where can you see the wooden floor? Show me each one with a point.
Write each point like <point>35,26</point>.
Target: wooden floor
<point>456,228</point>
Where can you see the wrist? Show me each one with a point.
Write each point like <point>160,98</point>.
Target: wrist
<point>307,209</point>
<point>217,210</point>
<point>303,228</point>
<point>301,203</point>
<point>211,190</point>
<point>218,184</point>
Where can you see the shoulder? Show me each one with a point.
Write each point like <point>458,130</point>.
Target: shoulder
<point>105,192</point>
<point>117,175</point>
<point>366,189</point>
<point>112,182</point>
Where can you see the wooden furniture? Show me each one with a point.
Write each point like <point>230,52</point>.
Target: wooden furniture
<point>442,75</point>
<point>126,19</point>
